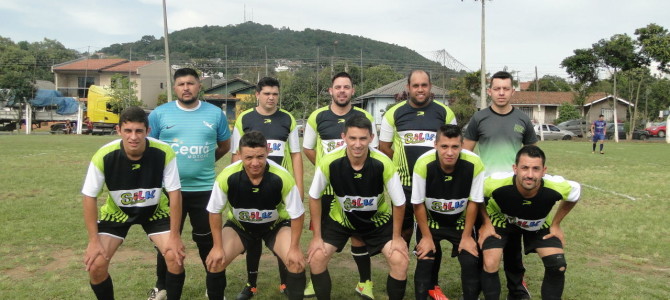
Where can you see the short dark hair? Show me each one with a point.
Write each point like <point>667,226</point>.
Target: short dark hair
<point>531,151</point>
<point>449,130</point>
<point>186,72</point>
<point>359,122</point>
<point>253,139</point>
<point>409,75</point>
<point>133,114</point>
<point>343,75</point>
<point>600,116</point>
<point>266,81</point>
<point>501,75</point>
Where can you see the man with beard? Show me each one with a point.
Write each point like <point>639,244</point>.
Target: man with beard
<point>198,133</point>
<point>408,131</point>
<point>322,135</point>
<point>519,204</point>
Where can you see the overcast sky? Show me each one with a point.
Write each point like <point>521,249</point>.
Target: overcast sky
<point>520,34</point>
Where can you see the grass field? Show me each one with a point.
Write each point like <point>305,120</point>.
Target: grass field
<point>617,245</point>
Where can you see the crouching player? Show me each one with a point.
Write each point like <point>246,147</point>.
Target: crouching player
<point>448,186</point>
<point>134,169</point>
<point>263,203</point>
<point>520,203</point>
<point>358,175</point>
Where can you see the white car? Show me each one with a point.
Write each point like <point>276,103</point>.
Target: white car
<point>551,132</point>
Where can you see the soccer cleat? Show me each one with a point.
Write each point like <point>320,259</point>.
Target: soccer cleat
<point>247,292</point>
<point>364,289</point>
<point>593,152</point>
<point>437,294</point>
<point>309,290</point>
<point>282,288</point>
<point>156,294</point>
<point>602,152</point>
<point>524,295</point>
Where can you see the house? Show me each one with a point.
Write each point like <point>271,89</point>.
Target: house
<point>73,78</point>
<point>543,107</point>
<point>377,101</point>
<point>230,94</point>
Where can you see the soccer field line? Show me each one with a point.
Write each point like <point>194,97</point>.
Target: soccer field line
<point>611,192</point>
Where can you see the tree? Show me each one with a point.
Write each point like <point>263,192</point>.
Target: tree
<point>377,76</point>
<point>464,104</point>
<point>123,93</point>
<point>549,83</point>
<point>654,41</point>
<point>567,111</point>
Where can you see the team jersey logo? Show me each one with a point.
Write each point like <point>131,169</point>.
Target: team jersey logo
<point>209,125</point>
<point>136,198</point>
<point>446,207</point>
<point>420,113</point>
<point>330,145</point>
<point>195,152</point>
<point>267,121</point>
<point>251,215</point>
<point>527,202</point>
<point>255,190</point>
<point>417,138</point>
<point>448,178</point>
<point>135,167</point>
<point>518,128</point>
<point>353,203</point>
<point>358,175</point>
<point>276,148</point>
<point>530,225</point>
<point>340,121</point>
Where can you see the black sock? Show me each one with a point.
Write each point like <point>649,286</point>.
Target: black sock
<point>601,147</point>
<point>174,284</point>
<point>554,276</point>
<point>253,260</point>
<point>491,285</point>
<point>470,274</point>
<point>322,285</point>
<point>395,288</point>
<point>422,278</point>
<point>295,285</point>
<point>594,147</point>
<point>362,259</point>
<point>435,273</point>
<point>282,271</point>
<point>216,285</point>
<point>104,290</point>
<point>161,270</point>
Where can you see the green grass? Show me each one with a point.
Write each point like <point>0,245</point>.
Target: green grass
<point>617,248</point>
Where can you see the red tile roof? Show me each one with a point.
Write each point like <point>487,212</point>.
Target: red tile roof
<point>525,85</point>
<point>130,66</point>
<point>90,64</point>
<point>554,98</point>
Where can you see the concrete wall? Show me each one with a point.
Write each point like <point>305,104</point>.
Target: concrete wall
<point>151,83</point>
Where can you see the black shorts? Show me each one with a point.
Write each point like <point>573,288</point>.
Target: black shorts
<point>450,234</point>
<point>408,220</point>
<point>250,238</point>
<point>120,230</point>
<point>194,204</point>
<point>531,239</point>
<point>375,239</point>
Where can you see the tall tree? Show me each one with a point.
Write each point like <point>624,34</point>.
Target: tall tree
<point>654,41</point>
<point>550,83</point>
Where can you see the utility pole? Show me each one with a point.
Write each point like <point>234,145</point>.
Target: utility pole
<point>482,92</point>
<point>266,61</point>
<point>168,83</point>
<point>317,79</point>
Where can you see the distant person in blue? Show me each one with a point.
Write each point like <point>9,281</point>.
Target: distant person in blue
<point>198,133</point>
<point>598,130</point>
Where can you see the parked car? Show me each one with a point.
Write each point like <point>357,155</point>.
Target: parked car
<point>300,123</point>
<point>657,130</point>
<point>637,134</point>
<point>58,128</point>
<point>551,132</point>
<point>577,126</point>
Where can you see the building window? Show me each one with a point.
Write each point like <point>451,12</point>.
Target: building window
<point>82,86</point>
<point>608,113</point>
<point>161,85</point>
<point>527,110</point>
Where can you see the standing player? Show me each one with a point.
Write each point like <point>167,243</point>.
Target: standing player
<point>520,203</point>
<point>598,130</point>
<point>134,169</point>
<point>263,204</point>
<point>279,128</point>
<point>198,133</point>
<point>407,132</point>
<point>448,187</point>
<point>322,135</point>
<point>358,175</point>
<point>500,131</point>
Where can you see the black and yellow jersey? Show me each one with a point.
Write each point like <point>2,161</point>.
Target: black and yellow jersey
<point>412,132</point>
<point>359,194</point>
<point>507,206</point>
<point>446,195</point>
<point>256,208</point>
<point>279,129</point>
<point>135,186</point>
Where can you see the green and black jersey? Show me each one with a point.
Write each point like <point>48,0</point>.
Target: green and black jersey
<point>499,137</point>
<point>412,131</point>
<point>279,129</point>
<point>507,206</point>
<point>135,186</point>
<point>446,195</point>
<point>256,208</point>
<point>359,194</point>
